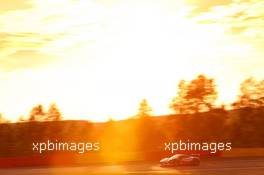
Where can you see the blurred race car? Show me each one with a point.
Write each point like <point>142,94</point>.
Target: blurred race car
<point>180,159</point>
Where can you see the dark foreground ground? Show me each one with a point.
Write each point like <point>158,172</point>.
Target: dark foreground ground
<point>220,166</point>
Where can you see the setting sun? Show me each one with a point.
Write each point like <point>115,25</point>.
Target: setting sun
<point>97,59</point>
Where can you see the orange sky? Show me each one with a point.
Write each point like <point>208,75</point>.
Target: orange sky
<point>98,58</point>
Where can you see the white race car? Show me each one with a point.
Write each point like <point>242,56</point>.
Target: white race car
<point>180,159</point>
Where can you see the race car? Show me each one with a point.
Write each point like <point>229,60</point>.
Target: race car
<point>180,159</point>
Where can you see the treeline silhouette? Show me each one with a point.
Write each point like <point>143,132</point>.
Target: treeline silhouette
<point>195,96</point>
<point>38,113</point>
<point>195,119</point>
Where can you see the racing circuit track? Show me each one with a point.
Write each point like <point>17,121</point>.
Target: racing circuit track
<point>223,166</point>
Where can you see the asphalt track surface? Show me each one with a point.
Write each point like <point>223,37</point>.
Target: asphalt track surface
<point>227,166</point>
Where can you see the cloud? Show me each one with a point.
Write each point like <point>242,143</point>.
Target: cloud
<point>40,28</point>
<point>240,19</point>
<point>60,18</point>
<point>201,6</point>
<point>20,50</point>
<point>23,40</point>
<point>14,5</point>
<point>24,59</point>
<point>235,14</point>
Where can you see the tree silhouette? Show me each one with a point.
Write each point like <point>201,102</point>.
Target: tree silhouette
<point>252,94</point>
<point>195,96</point>
<point>179,103</point>
<point>37,113</point>
<point>54,113</point>
<point>144,109</point>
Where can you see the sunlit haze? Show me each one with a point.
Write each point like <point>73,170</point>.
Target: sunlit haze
<point>97,59</point>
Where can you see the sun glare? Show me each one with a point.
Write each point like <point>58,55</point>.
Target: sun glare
<point>111,54</point>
